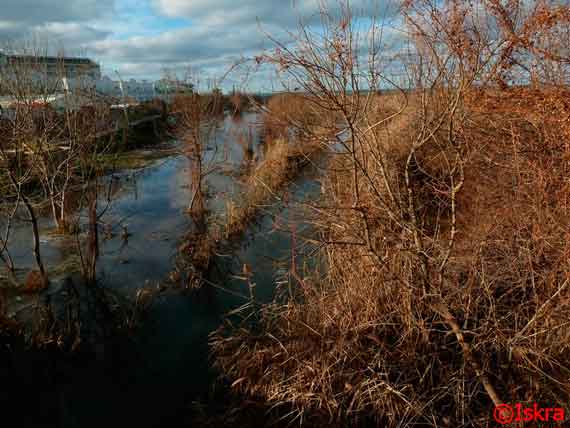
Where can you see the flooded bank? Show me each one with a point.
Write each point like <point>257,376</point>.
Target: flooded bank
<point>146,207</point>
<point>156,375</point>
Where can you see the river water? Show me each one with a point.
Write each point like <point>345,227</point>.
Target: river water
<point>167,365</point>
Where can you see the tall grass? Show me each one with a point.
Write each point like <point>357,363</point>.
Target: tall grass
<point>443,226</point>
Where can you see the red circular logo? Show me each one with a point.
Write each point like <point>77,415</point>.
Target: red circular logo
<point>503,414</point>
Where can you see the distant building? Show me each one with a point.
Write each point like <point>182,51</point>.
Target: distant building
<point>170,86</point>
<point>139,90</point>
<point>53,66</point>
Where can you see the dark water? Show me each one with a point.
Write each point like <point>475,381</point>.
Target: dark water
<point>152,380</point>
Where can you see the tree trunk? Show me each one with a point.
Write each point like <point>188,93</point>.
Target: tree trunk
<point>93,240</point>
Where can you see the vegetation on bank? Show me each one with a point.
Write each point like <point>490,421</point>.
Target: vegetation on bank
<point>281,163</point>
<point>443,227</point>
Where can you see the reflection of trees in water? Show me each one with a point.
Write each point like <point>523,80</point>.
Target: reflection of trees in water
<point>196,207</point>
<point>64,333</point>
<point>198,249</point>
<point>81,314</point>
<point>194,255</point>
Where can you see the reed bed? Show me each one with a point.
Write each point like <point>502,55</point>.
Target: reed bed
<point>443,226</point>
<point>364,344</point>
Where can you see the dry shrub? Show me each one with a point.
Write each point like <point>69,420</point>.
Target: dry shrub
<point>195,107</point>
<point>289,113</point>
<point>364,342</point>
<point>337,347</point>
<point>516,238</point>
<point>237,103</point>
<point>444,230</point>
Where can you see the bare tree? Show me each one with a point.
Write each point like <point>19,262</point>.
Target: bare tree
<point>53,135</point>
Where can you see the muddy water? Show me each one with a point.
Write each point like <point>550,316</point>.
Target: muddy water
<point>167,365</point>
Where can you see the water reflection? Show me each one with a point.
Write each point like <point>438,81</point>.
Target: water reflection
<point>146,211</point>
<point>138,241</point>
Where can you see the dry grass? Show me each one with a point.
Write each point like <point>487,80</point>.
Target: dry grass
<point>282,161</point>
<point>299,114</point>
<point>444,228</point>
<point>364,343</point>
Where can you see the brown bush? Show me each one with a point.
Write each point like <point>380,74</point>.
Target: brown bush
<point>444,230</point>
<point>290,113</point>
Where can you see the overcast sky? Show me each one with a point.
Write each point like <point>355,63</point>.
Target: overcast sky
<point>139,38</point>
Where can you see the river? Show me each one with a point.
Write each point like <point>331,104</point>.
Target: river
<point>166,366</point>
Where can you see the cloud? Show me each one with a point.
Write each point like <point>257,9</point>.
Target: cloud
<point>37,12</point>
<point>280,12</point>
<point>208,49</point>
<point>71,23</point>
<point>70,34</point>
<point>140,38</point>
<point>217,27</point>
<point>191,43</point>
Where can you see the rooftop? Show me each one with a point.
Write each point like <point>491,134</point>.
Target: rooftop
<point>46,59</point>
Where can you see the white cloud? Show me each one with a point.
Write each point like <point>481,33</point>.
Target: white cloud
<point>71,24</point>
<point>141,37</point>
<point>281,12</point>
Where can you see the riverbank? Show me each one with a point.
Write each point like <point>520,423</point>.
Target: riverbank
<point>423,245</point>
<point>148,209</point>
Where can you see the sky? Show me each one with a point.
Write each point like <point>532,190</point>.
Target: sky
<point>141,38</point>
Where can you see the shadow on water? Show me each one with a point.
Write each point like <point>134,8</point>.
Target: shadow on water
<point>151,379</point>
